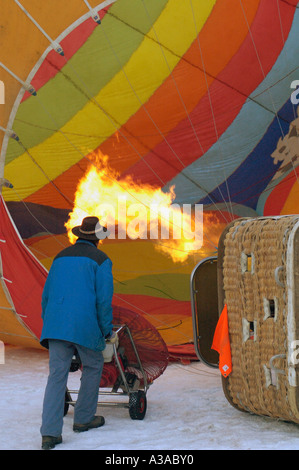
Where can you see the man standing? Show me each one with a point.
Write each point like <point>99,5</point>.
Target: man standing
<point>77,315</point>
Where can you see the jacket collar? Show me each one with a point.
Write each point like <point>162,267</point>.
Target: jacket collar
<point>85,241</point>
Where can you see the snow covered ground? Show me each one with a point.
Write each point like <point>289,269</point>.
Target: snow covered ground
<point>187,410</point>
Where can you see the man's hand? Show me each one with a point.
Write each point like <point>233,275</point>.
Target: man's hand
<point>112,339</point>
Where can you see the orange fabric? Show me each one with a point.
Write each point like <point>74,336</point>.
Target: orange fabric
<point>221,344</point>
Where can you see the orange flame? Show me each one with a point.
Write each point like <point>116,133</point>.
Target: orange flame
<point>132,210</point>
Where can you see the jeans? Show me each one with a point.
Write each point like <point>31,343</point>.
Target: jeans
<point>61,354</point>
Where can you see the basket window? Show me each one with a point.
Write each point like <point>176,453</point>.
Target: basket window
<point>249,330</point>
<point>270,308</point>
<point>247,263</point>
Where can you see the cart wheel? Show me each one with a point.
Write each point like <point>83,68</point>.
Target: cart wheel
<point>137,405</point>
<point>67,405</point>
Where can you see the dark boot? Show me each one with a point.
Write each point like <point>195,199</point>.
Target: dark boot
<point>49,442</point>
<point>97,422</point>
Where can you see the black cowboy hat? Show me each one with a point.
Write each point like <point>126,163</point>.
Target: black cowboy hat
<point>90,229</point>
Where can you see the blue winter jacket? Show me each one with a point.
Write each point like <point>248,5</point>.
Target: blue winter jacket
<point>77,297</point>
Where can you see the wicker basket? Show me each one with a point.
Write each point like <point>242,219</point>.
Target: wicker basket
<point>258,279</point>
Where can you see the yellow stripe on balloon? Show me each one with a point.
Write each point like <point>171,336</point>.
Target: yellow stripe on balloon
<point>145,72</point>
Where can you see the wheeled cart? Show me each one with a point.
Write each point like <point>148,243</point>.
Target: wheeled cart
<point>130,366</point>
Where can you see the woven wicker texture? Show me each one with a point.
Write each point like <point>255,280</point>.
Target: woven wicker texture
<point>254,277</point>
